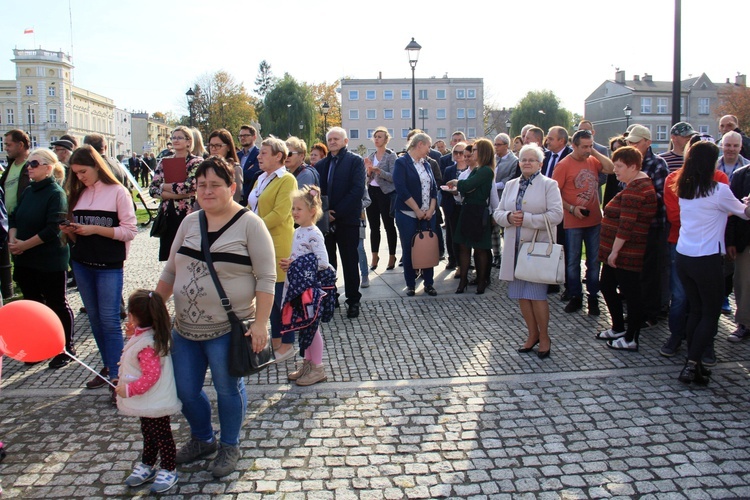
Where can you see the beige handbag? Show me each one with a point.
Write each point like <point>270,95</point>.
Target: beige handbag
<point>424,249</point>
<point>542,262</point>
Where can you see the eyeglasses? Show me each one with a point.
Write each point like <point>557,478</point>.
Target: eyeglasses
<point>245,135</point>
<point>456,153</point>
<point>292,153</point>
<point>500,144</point>
<point>178,138</point>
<point>35,163</point>
<point>215,146</point>
<point>528,160</point>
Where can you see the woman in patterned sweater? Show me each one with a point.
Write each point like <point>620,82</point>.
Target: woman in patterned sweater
<point>622,246</point>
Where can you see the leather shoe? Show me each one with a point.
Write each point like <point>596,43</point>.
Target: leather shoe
<point>574,305</point>
<point>98,382</point>
<point>430,290</point>
<point>410,292</point>
<point>523,350</point>
<point>353,310</point>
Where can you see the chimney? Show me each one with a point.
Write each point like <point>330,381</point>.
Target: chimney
<point>647,77</point>
<point>636,78</point>
<point>380,75</point>
<point>728,82</point>
<point>620,76</point>
<point>740,80</point>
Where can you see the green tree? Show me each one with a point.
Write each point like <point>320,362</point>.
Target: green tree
<point>286,107</point>
<point>541,108</point>
<point>220,102</point>
<point>265,81</point>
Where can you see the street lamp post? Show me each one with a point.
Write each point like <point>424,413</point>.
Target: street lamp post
<point>190,100</point>
<point>289,119</point>
<point>627,110</point>
<point>507,125</point>
<point>413,50</point>
<point>325,108</point>
<point>421,115</point>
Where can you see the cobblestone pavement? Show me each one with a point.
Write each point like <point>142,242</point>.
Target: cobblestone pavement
<point>426,398</point>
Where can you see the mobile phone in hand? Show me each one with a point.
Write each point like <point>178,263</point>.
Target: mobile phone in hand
<point>585,212</point>
<point>63,222</point>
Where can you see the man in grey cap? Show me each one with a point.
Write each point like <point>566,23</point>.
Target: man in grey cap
<point>680,134</point>
<point>64,148</point>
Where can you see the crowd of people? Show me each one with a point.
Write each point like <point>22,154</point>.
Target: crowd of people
<point>679,218</point>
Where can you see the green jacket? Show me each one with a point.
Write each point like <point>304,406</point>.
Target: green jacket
<point>41,206</point>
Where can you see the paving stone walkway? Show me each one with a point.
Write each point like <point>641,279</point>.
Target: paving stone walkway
<point>426,398</point>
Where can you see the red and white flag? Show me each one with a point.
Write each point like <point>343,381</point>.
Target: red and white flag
<point>28,31</point>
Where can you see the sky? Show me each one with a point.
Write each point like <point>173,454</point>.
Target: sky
<point>146,54</point>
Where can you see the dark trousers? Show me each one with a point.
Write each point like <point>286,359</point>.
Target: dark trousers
<point>452,223</point>
<point>380,208</point>
<point>651,275</point>
<point>629,283</point>
<point>158,440</point>
<point>48,288</point>
<point>346,238</point>
<point>704,286</point>
<point>144,177</point>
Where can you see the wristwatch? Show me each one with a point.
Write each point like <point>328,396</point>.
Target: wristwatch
<point>571,209</point>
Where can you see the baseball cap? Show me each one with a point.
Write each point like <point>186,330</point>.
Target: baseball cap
<point>638,133</point>
<point>682,129</point>
<point>64,143</point>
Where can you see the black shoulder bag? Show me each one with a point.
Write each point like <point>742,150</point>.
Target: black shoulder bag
<point>242,360</point>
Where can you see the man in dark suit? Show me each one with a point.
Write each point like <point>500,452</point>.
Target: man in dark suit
<point>557,149</point>
<point>134,165</point>
<point>342,179</point>
<point>248,156</point>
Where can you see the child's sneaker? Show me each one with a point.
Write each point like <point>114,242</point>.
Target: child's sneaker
<point>164,481</point>
<point>141,474</point>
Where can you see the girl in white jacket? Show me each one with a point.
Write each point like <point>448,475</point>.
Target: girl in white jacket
<point>146,388</point>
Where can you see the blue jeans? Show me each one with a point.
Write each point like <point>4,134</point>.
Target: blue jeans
<point>678,306</point>
<point>364,268</point>
<point>288,337</point>
<point>191,359</point>
<point>101,292</point>
<point>407,226</point>
<point>574,238</point>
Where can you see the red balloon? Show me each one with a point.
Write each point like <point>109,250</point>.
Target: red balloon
<point>30,331</point>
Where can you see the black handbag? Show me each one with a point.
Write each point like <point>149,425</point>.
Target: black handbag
<point>242,360</point>
<point>474,221</point>
<point>159,224</point>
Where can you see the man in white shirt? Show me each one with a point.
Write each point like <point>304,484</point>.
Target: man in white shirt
<point>506,168</point>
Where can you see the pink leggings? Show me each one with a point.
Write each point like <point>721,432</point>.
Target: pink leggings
<point>314,353</point>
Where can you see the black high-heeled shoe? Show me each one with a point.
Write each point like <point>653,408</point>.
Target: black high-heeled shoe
<point>391,263</point>
<point>544,354</point>
<point>528,349</point>
<point>461,289</point>
<point>375,262</point>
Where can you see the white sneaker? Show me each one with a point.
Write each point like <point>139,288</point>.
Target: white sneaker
<point>141,474</point>
<point>164,481</point>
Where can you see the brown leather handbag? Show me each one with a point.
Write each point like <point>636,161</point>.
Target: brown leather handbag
<point>424,249</point>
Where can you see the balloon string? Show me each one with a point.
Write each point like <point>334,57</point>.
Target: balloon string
<point>89,368</point>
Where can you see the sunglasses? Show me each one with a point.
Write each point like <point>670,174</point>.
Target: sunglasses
<point>35,163</point>
<point>457,152</point>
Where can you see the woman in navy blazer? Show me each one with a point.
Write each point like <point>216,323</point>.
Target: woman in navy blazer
<point>416,202</point>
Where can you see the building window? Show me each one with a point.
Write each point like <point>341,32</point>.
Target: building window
<point>390,132</point>
<point>703,106</point>
<point>34,142</point>
<point>441,133</point>
<point>645,105</point>
<point>661,132</point>
<point>52,138</point>
<point>460,113</point>
<point>51,92</point>
<point>387,95</point>
<point>703,129</point>
<point>460,93</point>
<point>440,114</point>
<point>424,113</point>
<point>370,95</point>
<point>472,132</point>
<point>405,94</point>
<point>388,114</point>
<point>682,105</point>
<point>53,116</point>
<point>440,94</point>
<point>372,114</point>
<point>30,116</point>
<point>29,90</point>
<point>405,114</point>
<point>404,133</point>
<point>661,105</point>
<point>353,133</point>
<point>354,114</point>
<point>471,93</point>
<point>423,95</point>
<point>11,118</point>
<point>354,95</point>
<point>471,113</point>
<point>370,131</point>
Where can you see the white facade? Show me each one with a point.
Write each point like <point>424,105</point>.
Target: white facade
<point>443,106</point>
<point>123,134</point>
<point>43,102</point>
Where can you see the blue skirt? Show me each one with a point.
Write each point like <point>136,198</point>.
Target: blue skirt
<point>520,289</point>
